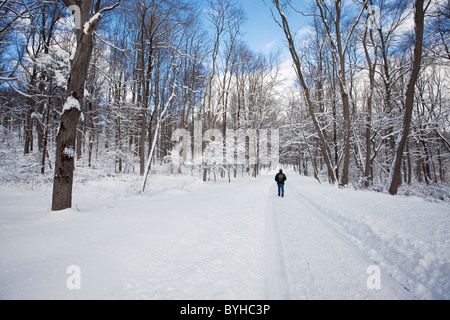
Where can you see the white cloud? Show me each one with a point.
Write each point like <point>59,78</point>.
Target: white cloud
<point>303,33</point>
<point>271,44</point>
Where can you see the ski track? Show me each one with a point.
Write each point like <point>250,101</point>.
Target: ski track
<point>277,283</point>
<point>316,261</point>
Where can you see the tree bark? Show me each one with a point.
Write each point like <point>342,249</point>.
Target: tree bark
<point>368,171</point>
<point>65,140</point>
<point>395,174</point>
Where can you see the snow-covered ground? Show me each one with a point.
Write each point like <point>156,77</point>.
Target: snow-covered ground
<point>184,239</point>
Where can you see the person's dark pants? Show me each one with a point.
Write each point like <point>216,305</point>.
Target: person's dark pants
<point>281,190</point>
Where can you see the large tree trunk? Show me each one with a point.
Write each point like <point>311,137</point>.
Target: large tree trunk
<point>395,176</point>
<point>65,140</point>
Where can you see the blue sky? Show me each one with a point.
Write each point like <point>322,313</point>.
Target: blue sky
<point>263,35</point>
<point>261,32</point>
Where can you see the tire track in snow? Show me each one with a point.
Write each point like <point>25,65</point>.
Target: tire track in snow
<point>392,288</point>
<point>320,262</point>
<point>321,265</point>
<point>277,283</point>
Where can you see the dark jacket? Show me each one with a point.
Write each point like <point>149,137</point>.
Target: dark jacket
<point>280,178</point>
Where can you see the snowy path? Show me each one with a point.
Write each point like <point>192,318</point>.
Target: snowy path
<point>188,240</point>
<point>317,262</point>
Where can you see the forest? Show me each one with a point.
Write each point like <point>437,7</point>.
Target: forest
<point>104,84</point>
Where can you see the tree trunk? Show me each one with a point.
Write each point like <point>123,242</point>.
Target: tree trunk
<point>45,142</point>
<point>326,153</point>
<point>395,174</point>
<point>65,140</point>
<point>368,172</point>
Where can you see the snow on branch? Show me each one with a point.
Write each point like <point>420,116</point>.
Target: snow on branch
<point>70,104</point>
<point>158,125</point>
<point>90,26</point>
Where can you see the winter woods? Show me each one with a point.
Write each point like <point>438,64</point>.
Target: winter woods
<point>370,106</point>
<point>361,71</point>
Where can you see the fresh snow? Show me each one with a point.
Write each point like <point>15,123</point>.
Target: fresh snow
<point>185,239</point>
<point>87,25</point>
<point>69,152</point>
<point>71,103</point>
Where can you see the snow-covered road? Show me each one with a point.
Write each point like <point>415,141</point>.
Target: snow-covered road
<point>316,261</point>
<point>189,240</point>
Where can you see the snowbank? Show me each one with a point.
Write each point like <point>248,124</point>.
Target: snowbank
<point>174,242</point>
<point>409,237</point>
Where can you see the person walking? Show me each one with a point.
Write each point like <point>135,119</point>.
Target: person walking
<point>280,178</point>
